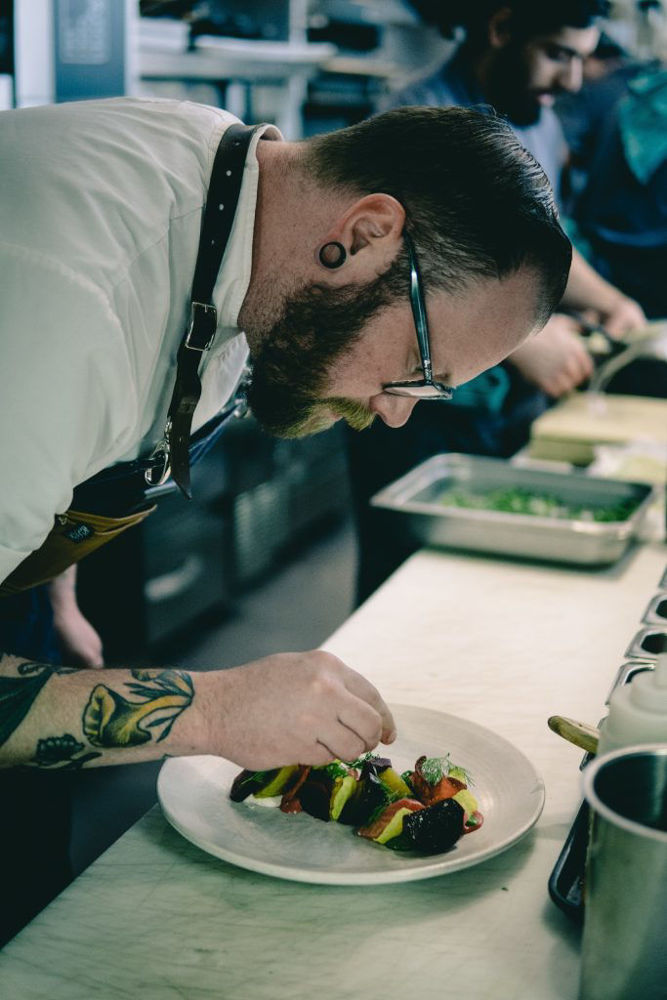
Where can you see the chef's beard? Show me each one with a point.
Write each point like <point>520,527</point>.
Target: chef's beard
<point>508,88</point>
<point>293,362</point>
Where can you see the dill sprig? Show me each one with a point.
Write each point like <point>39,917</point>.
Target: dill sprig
<point>360,761</point>
<point>436,768</point>
<point>258,776</point>
<point>336,769</point>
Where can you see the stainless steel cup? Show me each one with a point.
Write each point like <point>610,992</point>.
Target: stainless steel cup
<point>624,946</point>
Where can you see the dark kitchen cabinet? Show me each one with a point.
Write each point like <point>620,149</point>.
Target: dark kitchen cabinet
<point>255,500</point>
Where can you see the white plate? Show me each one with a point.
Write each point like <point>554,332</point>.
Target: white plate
<point>194,795</point>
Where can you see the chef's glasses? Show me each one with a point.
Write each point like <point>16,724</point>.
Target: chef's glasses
<point>426,387</point>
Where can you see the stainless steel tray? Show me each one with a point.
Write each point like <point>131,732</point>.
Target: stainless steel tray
<point>415,497</point>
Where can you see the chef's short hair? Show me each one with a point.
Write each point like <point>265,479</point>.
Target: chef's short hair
<point>478,205</point>
<point>527,17</point>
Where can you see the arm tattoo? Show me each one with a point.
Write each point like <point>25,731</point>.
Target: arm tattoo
<point>17,695</point>
<point>111,720</point>
<point>63,753</point>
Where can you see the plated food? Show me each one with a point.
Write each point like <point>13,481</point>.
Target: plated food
<point>424,810</point>
<point>194,795</point>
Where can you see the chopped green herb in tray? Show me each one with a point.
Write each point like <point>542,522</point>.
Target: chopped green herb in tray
<point>520,501</point>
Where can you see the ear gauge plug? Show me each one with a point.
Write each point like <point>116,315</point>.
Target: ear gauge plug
<point>332,255</point>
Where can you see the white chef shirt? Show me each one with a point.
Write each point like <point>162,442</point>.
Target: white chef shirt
<point>100,213</point>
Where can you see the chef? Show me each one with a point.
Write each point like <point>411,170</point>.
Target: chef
<point>149,250</point>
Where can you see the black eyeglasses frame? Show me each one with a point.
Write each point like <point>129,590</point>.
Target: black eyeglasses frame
<point>426,387</point>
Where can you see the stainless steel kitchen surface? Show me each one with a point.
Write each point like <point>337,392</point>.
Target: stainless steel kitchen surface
<point>417,500</point>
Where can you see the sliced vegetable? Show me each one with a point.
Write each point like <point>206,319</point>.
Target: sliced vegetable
<point>315,794</point>
<point>342,790</point>
<point>467,800</point>
<point>249,782</point>
<point>370,798</point>
<point>424,810</point>
<point>461,774</point>
<point>394,783</point>
<point>436,828</point>
<point>430,785</point>
<point>389,823</point>
<point>277,784</point>
<point>290,801</point>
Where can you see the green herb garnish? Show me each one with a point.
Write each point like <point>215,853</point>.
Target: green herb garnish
<point>360,761</point>
<point>336,769</point>
<point>435,769</point>
<point>257,776</point>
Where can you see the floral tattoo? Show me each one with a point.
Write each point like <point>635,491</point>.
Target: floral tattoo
<point>111,720</point>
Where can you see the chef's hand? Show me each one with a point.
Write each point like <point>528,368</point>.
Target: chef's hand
<point>294,708</point>
<point>555,359</point>
<point>621,316</point>
<point>79,643</point>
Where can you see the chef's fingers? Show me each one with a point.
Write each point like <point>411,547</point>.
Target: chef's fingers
<point>345,741</point>
<point>357,685</point>
<point>363,722</point>
<point>342,743</point>
<point>322,754</point>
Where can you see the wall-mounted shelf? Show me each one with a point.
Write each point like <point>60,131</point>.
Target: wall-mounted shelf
<point>233,58</point>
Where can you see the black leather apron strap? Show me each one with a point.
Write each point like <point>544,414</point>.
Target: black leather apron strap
<point>221,203</point>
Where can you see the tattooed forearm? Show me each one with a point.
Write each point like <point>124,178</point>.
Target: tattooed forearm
<point>111,720</point>
<point>75,721</point>
<point>27,668</point>
<point>63,753</point>
<point>17,695</point>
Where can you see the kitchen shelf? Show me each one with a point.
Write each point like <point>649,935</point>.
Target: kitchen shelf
<point>233,58</point>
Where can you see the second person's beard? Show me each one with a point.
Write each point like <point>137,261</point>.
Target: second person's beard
<point>508,88</point>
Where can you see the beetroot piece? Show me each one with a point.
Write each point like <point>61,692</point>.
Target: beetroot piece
<point>370,798</point>
<point>315,794</point>
<point>435,829</point>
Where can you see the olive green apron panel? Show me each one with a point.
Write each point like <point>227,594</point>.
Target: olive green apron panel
<point>74,535</point>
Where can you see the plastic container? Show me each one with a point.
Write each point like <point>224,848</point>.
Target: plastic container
<point>637,711</point>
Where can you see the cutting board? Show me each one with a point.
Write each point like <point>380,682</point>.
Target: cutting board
<point>570,430</point>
